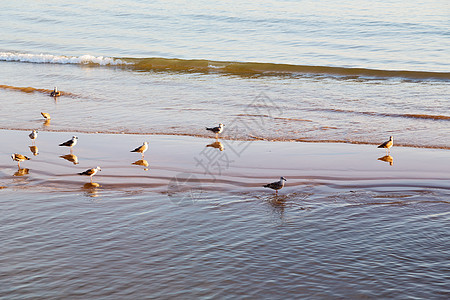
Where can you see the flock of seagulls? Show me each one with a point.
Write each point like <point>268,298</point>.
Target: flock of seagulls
<point>277,185</point>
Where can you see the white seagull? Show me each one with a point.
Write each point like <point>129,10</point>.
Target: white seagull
<point>388,144</point>
<point>90,172</point>
<point>141,149</point>
<point>277,185</point>
<point>70,143</point>
<point>55,92</point>
<point>217,130</point>
<point>33,135</point>
<point>19,157</point>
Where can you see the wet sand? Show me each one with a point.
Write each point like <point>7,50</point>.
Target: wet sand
<point>175,164</point>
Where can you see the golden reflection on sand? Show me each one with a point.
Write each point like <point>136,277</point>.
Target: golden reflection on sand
<point>217,145</point>
<point>22,172</point>
<point>387,158</point>
<point>71,157</point>
<point>47,122</point>
<point>34,150</point>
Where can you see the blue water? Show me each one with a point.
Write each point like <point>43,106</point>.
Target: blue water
<point>412,35</point>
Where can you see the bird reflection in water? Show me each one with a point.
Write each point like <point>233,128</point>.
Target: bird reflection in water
<point>22,172</point>
<point>47,122</point>
<point>34,150</point>
<point>278,204</point>
<point>141,162</point>
<point>217,145</point>
<point>71,157</point>
<point>387,158</point>
<point>91,189</point>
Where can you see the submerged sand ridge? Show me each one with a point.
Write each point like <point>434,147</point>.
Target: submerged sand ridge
<point>179,164</point>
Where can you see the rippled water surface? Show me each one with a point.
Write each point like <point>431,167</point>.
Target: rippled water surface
<point>409,35</point>
<point>348,223</point>
<point>278,70</point>
<point>352,244</point>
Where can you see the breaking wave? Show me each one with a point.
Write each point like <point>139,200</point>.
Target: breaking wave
<point>59,59</point>
<point>223,67</point>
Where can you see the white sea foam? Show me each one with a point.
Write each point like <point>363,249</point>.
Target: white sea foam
<point>59,59</point>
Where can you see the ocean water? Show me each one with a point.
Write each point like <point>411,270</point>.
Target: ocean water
<point>354,72</point>
<point>275,73</point>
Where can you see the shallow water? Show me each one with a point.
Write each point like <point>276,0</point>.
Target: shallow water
<point>334,71</point>
<point>273,108</point>
<point>131,243</point>
<point>348,224</point>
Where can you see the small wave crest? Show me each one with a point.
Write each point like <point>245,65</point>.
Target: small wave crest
<point>245,69</point>
<point>274,69</point>
<point>60,59</point>
<point>392,115</point>
<point>29,89</point>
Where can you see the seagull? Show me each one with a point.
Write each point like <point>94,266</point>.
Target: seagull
<point>90,172</point>
<point>388,144</point>
<point>217,130</point>
<point>277,185</point>
<point>55,92</point>
<point>70,143</point>
<point>19,158</point>
<point>141,149</point>
<point>33,135</point>
<point>46,115</point>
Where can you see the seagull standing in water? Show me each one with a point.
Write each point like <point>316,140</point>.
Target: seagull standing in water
<point>33,135</point>
<point>141,149</point>
<point>46,115</point>
<point>217,130</point>
<point>70,143</point>
<point>388,144</point>
<point>277,185</point>
<point>55,92</point>
<point>19,157</point>
<point>90,172</point>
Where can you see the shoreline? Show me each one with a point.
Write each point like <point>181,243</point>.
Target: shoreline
<point>241,166</point>
<point>227,138</point>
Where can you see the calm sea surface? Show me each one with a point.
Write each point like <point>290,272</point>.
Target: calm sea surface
<point>328,71</point>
